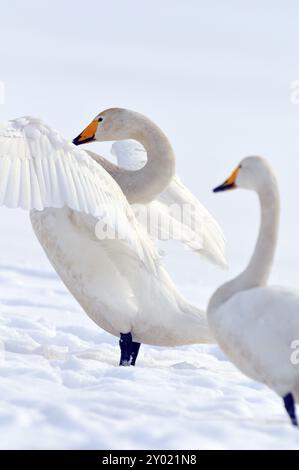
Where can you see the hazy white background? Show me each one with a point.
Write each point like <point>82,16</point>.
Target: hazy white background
<point>215,75</point>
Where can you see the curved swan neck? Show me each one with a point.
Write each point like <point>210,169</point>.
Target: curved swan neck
<point>148,182</point>
<point>258,270</point>
<point>145,184</point>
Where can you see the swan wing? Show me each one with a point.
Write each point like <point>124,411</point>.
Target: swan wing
<point>130,154</point>
<point>176,211</point>
<point>40,169</point>
<point>199,230</point>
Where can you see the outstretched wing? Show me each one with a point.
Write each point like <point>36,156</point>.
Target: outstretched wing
<point>41,169</point>
<point>176,213</point>
<point>200,231</point>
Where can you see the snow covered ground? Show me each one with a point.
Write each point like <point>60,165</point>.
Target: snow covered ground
<point>216,76</point>
<point>61,388</point>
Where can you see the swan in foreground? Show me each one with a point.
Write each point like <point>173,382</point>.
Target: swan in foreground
<point>119,282</point>
<point>256,325</point>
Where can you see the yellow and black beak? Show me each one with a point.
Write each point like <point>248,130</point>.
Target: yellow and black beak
<point>88,135</point>
<point>230,183</point>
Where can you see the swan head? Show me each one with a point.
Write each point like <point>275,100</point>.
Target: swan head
<point>111,124</point>
<point>252,173</point>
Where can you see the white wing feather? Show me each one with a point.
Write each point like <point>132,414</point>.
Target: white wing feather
<point>40,169</point>
<point>193,224</point>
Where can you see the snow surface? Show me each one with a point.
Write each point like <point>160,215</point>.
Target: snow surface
<point>61,387</point>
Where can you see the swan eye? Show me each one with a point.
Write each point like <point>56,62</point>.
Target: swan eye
<point>100,119</point>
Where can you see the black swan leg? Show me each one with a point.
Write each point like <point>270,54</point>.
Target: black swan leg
<point>290,406</point>
<point>134,352</point>
<point>125,344</point>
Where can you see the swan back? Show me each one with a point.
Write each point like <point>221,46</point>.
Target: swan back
<point>256,328</point>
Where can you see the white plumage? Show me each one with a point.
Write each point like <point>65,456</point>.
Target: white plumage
<point>40,169</point>
<point>178,208</point>
<point>257,325</point>
<point>256,328</point>
<point>119,282</point>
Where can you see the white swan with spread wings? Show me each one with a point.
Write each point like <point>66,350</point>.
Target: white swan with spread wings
<point>119,282</point>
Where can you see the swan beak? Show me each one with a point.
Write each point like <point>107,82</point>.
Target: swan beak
<point>230,183</point>
<point>88,135</point>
